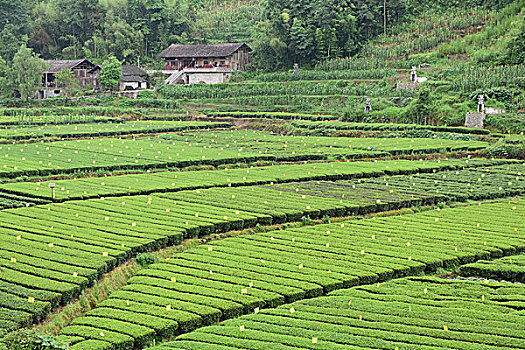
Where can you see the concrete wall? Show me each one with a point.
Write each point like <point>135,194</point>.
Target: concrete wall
<point>133,85</point>
<point>209,78</point>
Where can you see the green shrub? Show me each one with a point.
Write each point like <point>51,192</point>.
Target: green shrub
<point>29,340</point>
<point>145,259</point>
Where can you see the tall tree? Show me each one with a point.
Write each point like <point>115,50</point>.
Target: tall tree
<point>78,19</point>
<point>27,72</point>
<point>5,88</point>
<point>122,40</point>
<point>111,73</point>
<point>14,12</point>
<point>10,42</point>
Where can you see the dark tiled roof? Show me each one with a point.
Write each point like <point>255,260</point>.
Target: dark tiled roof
<point>132,78</point>
<point>57,65</point>
<point>215,50</point>
<point>133,70</point>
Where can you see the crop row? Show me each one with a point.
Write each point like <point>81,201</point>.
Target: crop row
<point>361,74</point>
<point>410,313</point>
<point>510,268</point>
<point>10,119</point>
<point>306,88</point>
<point>468,78</point>
<point>284,206</point>
<point>50,253</point>
<point>103,129</point>
<point>38,243</point>
<point>215,148</point>
<point>135,184</point>
<point>8,200</point>
<point>384,127</point>
<point>460,185</point>
<point>240,275</point>
<point>272,115</point>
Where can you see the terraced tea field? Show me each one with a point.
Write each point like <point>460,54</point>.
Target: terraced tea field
<point>236,276</point>
<point>411,313</point>
<point>212,148</point>
<point>313,220</point>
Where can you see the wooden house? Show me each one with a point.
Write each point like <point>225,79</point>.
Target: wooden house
<point>234,56</point>
<point>85,72</point>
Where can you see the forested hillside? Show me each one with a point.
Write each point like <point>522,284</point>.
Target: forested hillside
<point>281,31</point>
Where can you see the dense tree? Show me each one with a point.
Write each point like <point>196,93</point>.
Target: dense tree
<point>515,51</point>
<point>14,12</point>
<point>4,80</point>
<point>10,42</point>
<point>111,73</point>
<point>302,31</point>
<point>26,72</point>
<point>285,31</point>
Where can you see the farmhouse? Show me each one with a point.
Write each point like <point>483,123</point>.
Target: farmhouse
<point>133,78</point>
<point>85,72</point>
<point>229,55</point>
<point>208,64</point>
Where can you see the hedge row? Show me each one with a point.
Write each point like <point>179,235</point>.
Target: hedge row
<point>50,253</point>
<point>412,313</point>
<point>510,268</point>
<point>104,129</point>
<point>272,115</point>
<point>460,185</point>
<point>24,120</point>
<point>137,184</point>
<point>238,275</point>
<point>385,127</point>
<point>215,148</point>
<point>10,200</point>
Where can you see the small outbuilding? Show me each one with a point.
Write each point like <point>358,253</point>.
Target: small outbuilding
<point>133,78</point>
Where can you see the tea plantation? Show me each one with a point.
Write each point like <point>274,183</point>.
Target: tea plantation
<point>360,185</point>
